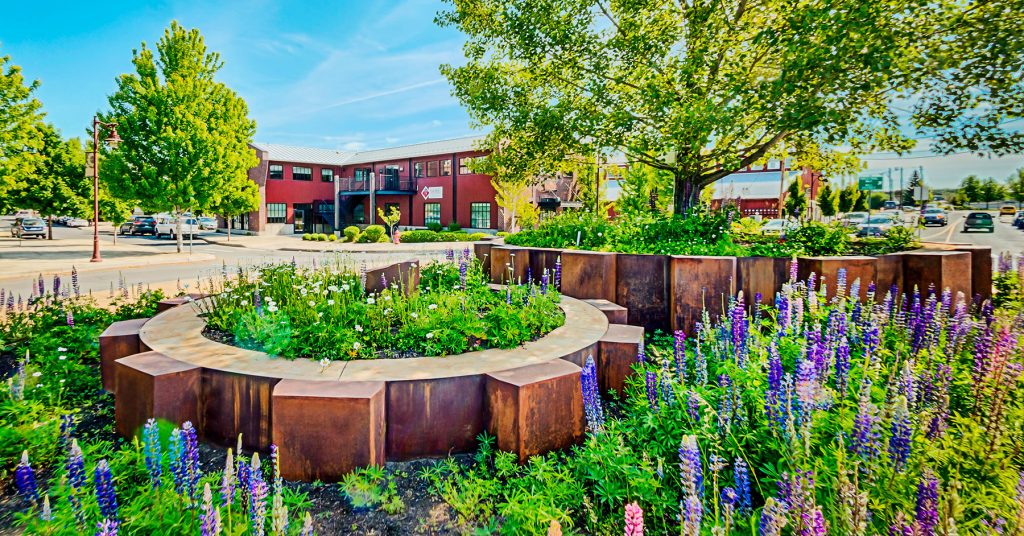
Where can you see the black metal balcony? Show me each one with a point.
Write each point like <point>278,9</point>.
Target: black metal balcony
<point>383,185</point>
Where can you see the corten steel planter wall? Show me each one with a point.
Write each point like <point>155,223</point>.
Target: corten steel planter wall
<point>697,283</point>
<point>509,263</point>
<point>888,274</point>
<point>543,259</point>
<point>764,275</point>
<point>328,421</point>
<point>937,269</point>
<point>642,287</point>
<point>589,275</point>
<point>482,250</point>
<point>405,274</point>
<point>981,270</point>
<point>857,267</point>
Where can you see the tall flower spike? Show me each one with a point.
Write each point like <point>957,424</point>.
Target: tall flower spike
<point>227,482</point>
<point>209,519</point>
<point>257,497</point>
<point>651,382</point>
<point>634,520</point>
<point>151,447</point>
<point>899,441</point>
<point>190,462</point>
<point>926,512</point>
<point>107,527</point>
<point>591,396</point>
<point>25,479</point>
<point>741,477</point>
<point>307,526</point>
<point>105,494</point>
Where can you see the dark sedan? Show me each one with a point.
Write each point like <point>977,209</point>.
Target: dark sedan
<point>979,220</point>
<point>140,225</point>
<point>934,216</point>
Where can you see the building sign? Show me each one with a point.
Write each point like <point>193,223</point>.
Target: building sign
<point>869,183</point>
<point>432,192</point>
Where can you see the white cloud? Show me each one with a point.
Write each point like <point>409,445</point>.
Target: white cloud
<point>354,146</point>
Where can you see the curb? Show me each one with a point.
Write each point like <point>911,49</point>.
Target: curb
<point>87,266</point>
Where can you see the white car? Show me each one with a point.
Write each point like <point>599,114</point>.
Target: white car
<point>167,226</point>
<point>878,224</point>
<point>854,219</point>
<point>777,226</point>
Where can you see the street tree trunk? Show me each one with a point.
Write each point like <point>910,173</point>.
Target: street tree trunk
<point>687,193</point>
<point>49,227</point>
<point>177,232</point>
<point>116,229</point>
<point>227,223</point>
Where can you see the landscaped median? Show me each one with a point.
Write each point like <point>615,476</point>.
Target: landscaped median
<point>671,292</point>
<point>370,409</point>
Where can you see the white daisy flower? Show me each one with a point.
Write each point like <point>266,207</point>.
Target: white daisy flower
<point>356,345</point>
<point>432,306</point>
<point>430,335</point>
<point>359,328</point>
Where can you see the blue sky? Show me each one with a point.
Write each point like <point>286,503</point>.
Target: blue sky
<point>338,74</point>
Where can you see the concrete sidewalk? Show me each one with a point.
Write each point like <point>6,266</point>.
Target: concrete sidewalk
<point>20,258</point>
<point>296,243</point>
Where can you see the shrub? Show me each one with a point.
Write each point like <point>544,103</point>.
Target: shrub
<point>435,226</point>
<point>477,236</point>
<point>453,226</point>
<point>564,230</point>
<point>419,236</point>
<point>351,233</point>
<point>502,234</point>
<point>373,233</point>
<point>307,237</point>
<point>897,238</point>
<point>332,237</point>
<point>814,238</point>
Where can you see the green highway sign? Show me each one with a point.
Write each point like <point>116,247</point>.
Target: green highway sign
<point>869,183</point>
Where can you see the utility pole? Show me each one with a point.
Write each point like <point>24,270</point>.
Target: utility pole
<point>901,188</point>
<point>373,198</point>
<point>782,185</point>
<point>597,181</point>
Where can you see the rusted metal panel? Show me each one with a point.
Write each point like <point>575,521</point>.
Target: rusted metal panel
<point>153,385</point>
<point>120,339</point>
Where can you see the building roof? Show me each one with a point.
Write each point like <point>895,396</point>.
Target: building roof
<point>751,185</point>
<point>333,157</point>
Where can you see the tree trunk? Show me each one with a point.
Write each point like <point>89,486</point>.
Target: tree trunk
<point>49,226</point>
<point>116,228</point>
<point>177,226</point>
<point>227,223</point>
<point>687,194</point>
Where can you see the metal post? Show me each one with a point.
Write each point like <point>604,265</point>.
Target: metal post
<point>337,209</point>
<point>782,185</point>
<point>901,188</point>
<point>96,190</point>
<point>373,198</point>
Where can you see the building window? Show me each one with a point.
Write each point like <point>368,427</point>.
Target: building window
<point>327,175</point>
<point>465,164</point>
<point>277,212</point>
<point>446,168</point>
<point>302,173</point>
<point>480,215</point>
<point>276,171</point>
<point>417,169</point>
<point>432,168</point>
<point>431,213</point>
<point>362,174</point>
<point>359,213</point>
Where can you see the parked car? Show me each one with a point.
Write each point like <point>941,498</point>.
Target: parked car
<point>1018,219</point>
<point>208,223</point>
<point>28,226</point>
<point>979,220</point>
<point>139,225</point>
<point>1007,210</point>
<point>76,222</point>
<point>854,219</point>
<point>890,205</point>
<point>934,216</point>
<point>876,225</point>
<point>778,226</point>
<point>169,227</point>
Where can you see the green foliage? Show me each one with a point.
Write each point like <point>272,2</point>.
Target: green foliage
<point>369,487</point>
<point>351,233</point>
<point>426,235</point>
<point>814,238</point>
<point>332,237</point>
<point>570,228</point>
<point>372,233</point>
<point>390,219</point>
<point>796,199</point>
<point>848,198</point>
<point>454,227</point>
<point>59,186</point>
<point>325,314</point>
<point>828,201</point>
<point>970,187</point>
<point>172,105</point>
<point>897,238</point>
<point>877,200</point>
<point>991,191</point>
<point>21,127</point>
<point>435,226</point>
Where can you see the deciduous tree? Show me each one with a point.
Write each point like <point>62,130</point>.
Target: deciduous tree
<point>796,199</point>
<point>1015,186</point>
<point>827,201</point>
<point>58,185</point>
<point>21,141</point>
<point>186,135</point>
<point>970,187</point>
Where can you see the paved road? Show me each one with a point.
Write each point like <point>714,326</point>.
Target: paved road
<point>1005,238</point>
<point>99,281</point>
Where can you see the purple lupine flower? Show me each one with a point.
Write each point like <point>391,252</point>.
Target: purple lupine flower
<point>383,281</point>
<point>692,514</point>
<point>3,297</point>
<point>901,429</point>
<point>275,468</point>
<point>692,405</point>
<point>741,477</point>
<point>841,283</point>
<point>652,390</point>
<point>42,286</point>
<point>176,446</point>
<point>558,273</point>
<point>808,392</point>
<point>21,303</point>
<point>782,306</point>
<point>56,285</point>
<point>529,275</point>
<point>1005,263</point>
<point>700,363</point>
<point>668,393</point>
<point>76,480</point>
<point>190,460</point>
<point>257,497</point>
<point>25,479</point>
<point>797,493</point>
<point>773,518</point>
<point>67,425</point>
<point>690,469</point>
<point>544,282</point>
<point>793,266</point>
<point>10,302</point>
<point>679,354</point>
<point>728,499</point>
<point>725,403</point>
<point>107,527</point>
<point>449,254</point>
<point>257,301</point>
<point>105,493</point>
<point>634,520</point>
<point>842,366</point>
<point>209,519</point>
<point>758,298</point>
<point>227,481</point>
<point>70,318</point>
<point>307,526</point>
<point>463,269</point>
<point>641,355</point>
<point>151,447</point>
<point>244,478</point>
<point>926,510</point>
<point>739,331</point>
<point>865,435</point>
<point>591,397</point>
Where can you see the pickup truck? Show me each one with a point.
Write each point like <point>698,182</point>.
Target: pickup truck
<point>169,227</point>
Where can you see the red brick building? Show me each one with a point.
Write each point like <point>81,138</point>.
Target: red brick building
<point>305,189</point>
<point>756,189</point>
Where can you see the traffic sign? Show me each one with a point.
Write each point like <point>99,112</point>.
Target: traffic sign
<point>869,183</point>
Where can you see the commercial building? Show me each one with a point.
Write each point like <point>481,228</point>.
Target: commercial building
<point>756,190</point>
<point>305,189</point>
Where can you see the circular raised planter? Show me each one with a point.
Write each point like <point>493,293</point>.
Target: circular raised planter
<point>329,420</point>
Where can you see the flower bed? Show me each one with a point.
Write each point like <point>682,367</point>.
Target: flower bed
<point>325,313</point>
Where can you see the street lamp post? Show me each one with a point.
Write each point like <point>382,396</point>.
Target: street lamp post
<point>112,141</point>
